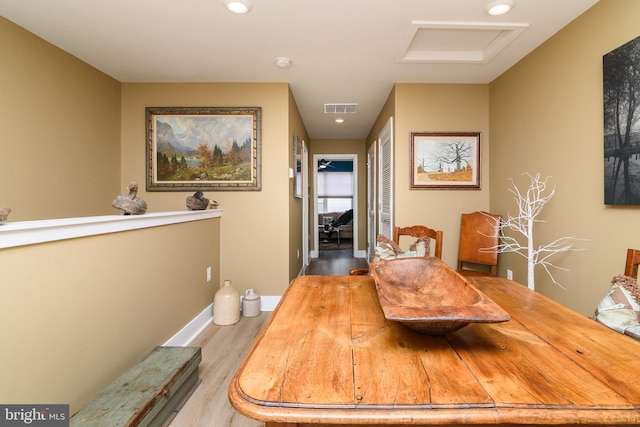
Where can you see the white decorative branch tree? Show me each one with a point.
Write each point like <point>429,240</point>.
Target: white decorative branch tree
<point>530,204</point>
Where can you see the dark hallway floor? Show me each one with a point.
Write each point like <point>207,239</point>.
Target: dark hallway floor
<point>334,263</point>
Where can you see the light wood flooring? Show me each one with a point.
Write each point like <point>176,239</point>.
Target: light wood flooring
<point>224,348</point>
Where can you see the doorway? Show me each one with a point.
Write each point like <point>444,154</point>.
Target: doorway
<point>335,203</point>
<point>371,202</point>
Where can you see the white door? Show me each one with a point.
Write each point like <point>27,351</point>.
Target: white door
<point>371,201</point>
<point>385,180</point>
<point>304,172</point>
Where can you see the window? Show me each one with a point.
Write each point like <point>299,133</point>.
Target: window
<point>334,204</point>
<point>335,187</point>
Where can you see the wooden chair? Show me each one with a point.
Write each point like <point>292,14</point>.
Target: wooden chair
<point>416,231</point>
<point>631,266</point>
<point>419,231</point>
<point>478,230</point>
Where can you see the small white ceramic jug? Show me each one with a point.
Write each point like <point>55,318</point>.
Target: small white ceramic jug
<point>226,305</point>
<point>250,304</point>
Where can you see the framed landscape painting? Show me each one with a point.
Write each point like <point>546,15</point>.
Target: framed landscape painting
<point>297,167</point>
<point>445,160</point>
<point>203,148</point>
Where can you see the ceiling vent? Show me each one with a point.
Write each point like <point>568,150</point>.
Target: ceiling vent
<point>451,42</point>
<point>340,108</point>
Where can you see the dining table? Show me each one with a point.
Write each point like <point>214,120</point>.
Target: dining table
<point>328,356</point>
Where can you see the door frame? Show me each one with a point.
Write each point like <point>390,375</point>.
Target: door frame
<point>314,226</point>
<point>385,217</point>
<point>304,172</point>
<point>372,200</point>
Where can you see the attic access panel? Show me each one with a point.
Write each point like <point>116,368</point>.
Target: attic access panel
<point>456,42</point>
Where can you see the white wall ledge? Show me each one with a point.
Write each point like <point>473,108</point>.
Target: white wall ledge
<point>14,234</point>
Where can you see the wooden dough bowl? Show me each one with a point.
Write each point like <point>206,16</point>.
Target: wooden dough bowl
<point>427,296</point>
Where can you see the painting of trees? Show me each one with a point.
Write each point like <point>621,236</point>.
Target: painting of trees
<point>214,158</point>
<point>621,89</point>
<point>445,160</point>
<point>203,148</point>
<point>456,155</point>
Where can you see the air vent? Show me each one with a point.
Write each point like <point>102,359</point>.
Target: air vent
<point>340,108</point>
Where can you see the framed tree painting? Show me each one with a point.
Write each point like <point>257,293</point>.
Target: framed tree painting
<point>297,167</point>
<point>203,148</point>
<point>621,89</point>
<point>445,160</point>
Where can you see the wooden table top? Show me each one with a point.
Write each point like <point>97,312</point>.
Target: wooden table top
<point>329,356</point>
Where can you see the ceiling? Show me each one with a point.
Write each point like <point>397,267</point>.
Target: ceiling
<point>341,51</point>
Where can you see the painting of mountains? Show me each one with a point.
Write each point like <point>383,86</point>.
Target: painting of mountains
<point>203,148</point>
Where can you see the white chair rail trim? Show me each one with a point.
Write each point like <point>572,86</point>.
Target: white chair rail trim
<point>14,234</point>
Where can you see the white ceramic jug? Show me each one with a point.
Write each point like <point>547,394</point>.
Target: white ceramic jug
<point>250,304</point>
<point>226,305</point>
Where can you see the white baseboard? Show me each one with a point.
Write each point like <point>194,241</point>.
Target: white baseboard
<point>360,253</point>
<point>269,303</point>
<point>191,330</point>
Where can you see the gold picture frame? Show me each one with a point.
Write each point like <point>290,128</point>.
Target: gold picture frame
<point>203,148</point>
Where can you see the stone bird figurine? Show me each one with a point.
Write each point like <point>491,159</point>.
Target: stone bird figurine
<point>4,213</point>
<point>197,202</point>
<point>129,203</point>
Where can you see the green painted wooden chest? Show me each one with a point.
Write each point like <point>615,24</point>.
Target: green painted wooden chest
<point>147,393</point>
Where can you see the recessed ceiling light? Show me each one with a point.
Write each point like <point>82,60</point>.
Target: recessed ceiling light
<point>339,120</point>
<point>283,62</point>
<point>499,7</point>
<point>237,6</point>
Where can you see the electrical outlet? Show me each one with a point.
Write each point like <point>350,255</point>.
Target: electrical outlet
<point>509,274</point>
<point>208,274</point>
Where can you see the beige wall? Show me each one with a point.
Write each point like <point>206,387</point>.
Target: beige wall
<point>59,131</point>
<point>387,111</point>
<point>343,146</point>
<point>75,314</point>
<point>90,143</point>
<point>96,305</point>
<point>436,108</point>
<point>255,224</point>
<point>439,108</point>
<point>547,117</point>
<point>296,127</point>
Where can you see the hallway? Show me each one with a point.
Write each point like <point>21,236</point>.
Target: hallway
<point>334,263</point>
